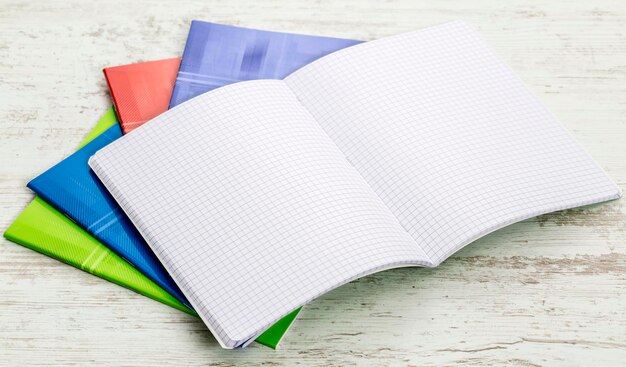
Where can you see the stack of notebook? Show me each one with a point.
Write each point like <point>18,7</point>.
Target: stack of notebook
<point>263,169</point>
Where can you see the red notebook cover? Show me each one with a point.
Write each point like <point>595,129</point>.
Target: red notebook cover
<point>141,91</point>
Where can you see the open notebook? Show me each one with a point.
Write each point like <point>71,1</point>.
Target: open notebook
<point>262,195</point>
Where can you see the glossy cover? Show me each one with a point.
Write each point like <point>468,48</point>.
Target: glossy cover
<point>71,187</point>
<point>141,91</point>
<point>216,55</point>
<point>42,228</point>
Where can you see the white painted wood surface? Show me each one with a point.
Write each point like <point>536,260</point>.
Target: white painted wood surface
<point>549,291</point>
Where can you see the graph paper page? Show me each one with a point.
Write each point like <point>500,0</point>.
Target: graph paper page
<point>446,135</point>
<point>251,207</point>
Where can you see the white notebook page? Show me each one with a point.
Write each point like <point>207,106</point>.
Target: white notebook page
<point>447,136</point>
<point>254,209</point>
<point>250,207</point>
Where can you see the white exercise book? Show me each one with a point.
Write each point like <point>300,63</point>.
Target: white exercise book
<point>262,195</point>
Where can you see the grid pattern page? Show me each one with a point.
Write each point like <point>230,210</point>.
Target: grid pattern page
<point>251,207</point>
<point>447,136</point>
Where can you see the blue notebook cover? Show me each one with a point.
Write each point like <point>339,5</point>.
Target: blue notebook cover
<point>74,189</point>
<point>216,55</point>
<point>219,55</point>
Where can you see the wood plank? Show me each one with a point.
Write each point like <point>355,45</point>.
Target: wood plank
<point>548,291</point>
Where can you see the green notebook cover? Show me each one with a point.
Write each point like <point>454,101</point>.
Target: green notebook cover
<point>42,228</point>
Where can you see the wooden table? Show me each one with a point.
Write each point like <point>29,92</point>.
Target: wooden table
<point>548,291</point>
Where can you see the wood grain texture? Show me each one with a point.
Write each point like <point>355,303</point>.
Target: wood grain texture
<point>545,292</point>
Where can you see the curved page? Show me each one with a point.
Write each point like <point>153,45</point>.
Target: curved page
<point>447,136</point>
<point>142,91</point>
<point>251,207</point>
